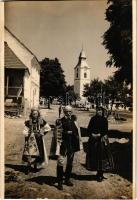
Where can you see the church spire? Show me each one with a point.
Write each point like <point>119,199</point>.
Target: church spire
<point>82,54</point>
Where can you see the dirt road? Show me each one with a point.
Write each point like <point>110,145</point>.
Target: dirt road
<point>43,183</point>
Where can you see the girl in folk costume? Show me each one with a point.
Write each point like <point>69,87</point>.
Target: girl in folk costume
<point>99,156</point>
<point>34,149</point>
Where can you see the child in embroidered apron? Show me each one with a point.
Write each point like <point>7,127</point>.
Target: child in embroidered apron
<point>34,153</point>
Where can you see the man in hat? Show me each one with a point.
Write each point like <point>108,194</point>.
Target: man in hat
<point>70,143</point>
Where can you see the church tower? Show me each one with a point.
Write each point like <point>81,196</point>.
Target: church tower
<point>81,74</point>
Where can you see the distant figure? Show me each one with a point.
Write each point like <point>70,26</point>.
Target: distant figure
<point>98,156</point>
<point>60,109</point>
<point>34,153</point>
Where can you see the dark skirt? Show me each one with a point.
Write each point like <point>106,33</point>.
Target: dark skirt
<point>98,155</point>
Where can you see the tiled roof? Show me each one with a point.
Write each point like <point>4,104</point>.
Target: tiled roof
<point>11,60</point>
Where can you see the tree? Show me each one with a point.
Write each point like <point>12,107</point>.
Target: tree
<point>94,91</point>
<point>111,90</point>
<point>71,96</point>
<point>118,38</point>
<point>52,79</point>
<point>117,91</point>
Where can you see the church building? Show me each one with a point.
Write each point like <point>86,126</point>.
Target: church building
<point>81,74</point>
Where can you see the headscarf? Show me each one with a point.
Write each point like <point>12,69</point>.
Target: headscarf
<point>102,109</point>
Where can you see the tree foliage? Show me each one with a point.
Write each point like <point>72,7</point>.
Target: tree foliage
<point>52,78</point>
<point>118,38</point>
<point>93,91</point>
<point>108,91</point>
<point>117,91</point>
<point>71,95</point>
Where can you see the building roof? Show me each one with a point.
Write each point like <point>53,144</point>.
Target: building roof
<point>82,54</point>
<point>11,60</point>
<point>21,52</point>
<point>82,63</point>
<point>19,41</point>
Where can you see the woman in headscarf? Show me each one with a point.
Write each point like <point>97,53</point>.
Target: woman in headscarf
<point>99,156</point>
<point>34,149</point>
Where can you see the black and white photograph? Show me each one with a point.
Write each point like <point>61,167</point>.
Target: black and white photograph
<point>68,99</point>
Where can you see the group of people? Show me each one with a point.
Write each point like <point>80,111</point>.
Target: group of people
<point>67,141</point>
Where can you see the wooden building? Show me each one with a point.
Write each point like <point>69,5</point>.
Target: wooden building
<point>22,76</point>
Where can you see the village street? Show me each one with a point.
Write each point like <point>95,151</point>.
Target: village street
<point>42,184</point>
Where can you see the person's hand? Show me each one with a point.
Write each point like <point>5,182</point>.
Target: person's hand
<point>69,132</point>
<point>25,132</point>
<point>96,135</point>
<point>41,132</point>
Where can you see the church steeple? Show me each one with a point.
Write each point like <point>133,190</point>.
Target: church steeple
<point>82,54</point>
<point>81,74</point>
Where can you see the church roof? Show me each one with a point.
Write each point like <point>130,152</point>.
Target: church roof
<point>82,54</point>
<point>82,63</point>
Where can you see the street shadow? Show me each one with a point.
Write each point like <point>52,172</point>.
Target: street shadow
<point>83,177</point>
<point>49,180</point>
<point>122,153</point>
<point>119,134</point>
<point>19,168</point>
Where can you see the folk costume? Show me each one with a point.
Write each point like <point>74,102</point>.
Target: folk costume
<point>56,140</point>
<point>68,141</point>
<point>60,110</point>
<point>34,149</point>
<point>98,155</point>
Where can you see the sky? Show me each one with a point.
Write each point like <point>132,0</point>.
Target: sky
<point>60,29</point>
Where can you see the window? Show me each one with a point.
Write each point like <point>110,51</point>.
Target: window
<point>85,75</point>
<point>77,73</point>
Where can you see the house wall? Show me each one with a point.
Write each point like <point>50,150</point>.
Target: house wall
<point>31,79</point>
<point>35,82</point>
<point>31,88</point>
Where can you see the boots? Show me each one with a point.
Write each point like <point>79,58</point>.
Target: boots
<point>28,169</point>
<point>68,175</point>
<point>100,176</point>
<point>60,177</point>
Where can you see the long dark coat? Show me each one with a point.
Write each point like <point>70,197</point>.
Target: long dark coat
<point>98,155</point>
<point>62,142</point>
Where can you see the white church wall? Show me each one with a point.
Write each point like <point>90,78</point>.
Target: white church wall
<point>84,75</point>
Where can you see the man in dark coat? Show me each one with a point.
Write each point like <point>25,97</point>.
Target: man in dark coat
<point>70,143</point>
<point>98,155</point>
